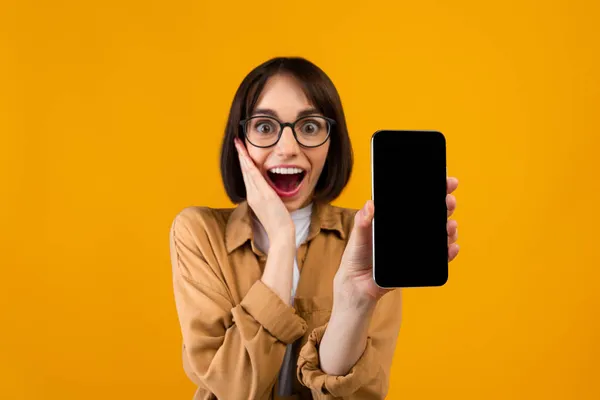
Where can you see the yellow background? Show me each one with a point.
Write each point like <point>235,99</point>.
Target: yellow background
<point>111,116</point>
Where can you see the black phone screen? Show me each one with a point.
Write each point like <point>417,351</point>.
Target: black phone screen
<point>410,240</point>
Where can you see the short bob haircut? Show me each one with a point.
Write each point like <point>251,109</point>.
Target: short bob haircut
<point>323,95</point>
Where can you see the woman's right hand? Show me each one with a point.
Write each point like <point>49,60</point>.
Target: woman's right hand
<point>266,204</point>
<point>278,223</point>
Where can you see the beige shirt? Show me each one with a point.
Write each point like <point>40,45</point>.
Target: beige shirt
<point>235,329</point>
<point>301,219</point>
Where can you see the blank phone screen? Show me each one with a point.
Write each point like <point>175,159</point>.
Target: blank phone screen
<point>410,240</point>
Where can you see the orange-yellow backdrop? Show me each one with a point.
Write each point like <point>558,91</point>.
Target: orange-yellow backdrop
<point>111,115</point>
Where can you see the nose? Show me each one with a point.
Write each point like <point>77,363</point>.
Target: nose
<point>287,146</point>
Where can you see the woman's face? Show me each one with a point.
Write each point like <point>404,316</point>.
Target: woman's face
<point>284,99</point>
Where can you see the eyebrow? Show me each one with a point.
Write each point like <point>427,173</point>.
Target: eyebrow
<point>272,113</point>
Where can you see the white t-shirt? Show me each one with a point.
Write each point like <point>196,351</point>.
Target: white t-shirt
<point>301,220</point>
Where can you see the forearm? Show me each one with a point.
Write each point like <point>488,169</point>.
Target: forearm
<point>278,268</point>
<point>345,338</point>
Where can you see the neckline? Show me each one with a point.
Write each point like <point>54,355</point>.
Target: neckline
<point>302,213</point>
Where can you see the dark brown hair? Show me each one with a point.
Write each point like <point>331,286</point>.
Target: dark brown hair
<point>321,92</point>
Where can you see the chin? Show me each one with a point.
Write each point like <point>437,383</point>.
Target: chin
<point>292,205</point>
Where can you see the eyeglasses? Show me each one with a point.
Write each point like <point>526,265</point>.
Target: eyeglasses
<point>264,131</point>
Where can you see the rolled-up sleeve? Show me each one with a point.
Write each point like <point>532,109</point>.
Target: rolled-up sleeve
<point>278,318</point>
<point>369,377</point>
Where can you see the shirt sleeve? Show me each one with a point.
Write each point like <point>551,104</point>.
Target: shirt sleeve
<point>233,351</point>
<point>369,377</point>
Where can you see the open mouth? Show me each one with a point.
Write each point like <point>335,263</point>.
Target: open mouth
<point>286,181</point>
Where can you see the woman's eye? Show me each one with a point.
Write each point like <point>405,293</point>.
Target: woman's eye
<point>264,127</point>
<point>310,128</point>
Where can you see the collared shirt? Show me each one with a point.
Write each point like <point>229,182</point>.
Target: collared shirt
<point>235,329</point>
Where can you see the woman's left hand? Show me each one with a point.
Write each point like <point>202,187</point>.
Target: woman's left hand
<point>354,282</point>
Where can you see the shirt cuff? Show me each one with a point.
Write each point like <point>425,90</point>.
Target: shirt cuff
<point>278,318</point>
<point>311,375</point>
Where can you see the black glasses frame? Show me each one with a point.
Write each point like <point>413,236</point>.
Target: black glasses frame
<point>282,126</point>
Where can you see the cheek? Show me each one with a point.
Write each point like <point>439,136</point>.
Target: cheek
<point>257,155</point>
<point>319,158</point>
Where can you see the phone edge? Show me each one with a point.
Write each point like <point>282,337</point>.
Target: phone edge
<point>373,199</point>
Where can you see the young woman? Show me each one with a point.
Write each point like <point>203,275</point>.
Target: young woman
<point>275,297</point>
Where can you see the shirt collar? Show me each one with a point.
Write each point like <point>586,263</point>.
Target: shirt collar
<point>239,225</point>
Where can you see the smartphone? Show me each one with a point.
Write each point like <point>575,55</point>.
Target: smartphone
<point>408,180</point>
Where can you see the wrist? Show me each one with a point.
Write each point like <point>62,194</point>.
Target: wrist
<point>348,301</point>
<point>283,240</point>
<point>347,296</point>
<point>282,234</point>
<point>277,274</point>
<point>351,319</point>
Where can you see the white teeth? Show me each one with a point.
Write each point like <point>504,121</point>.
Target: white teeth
<point>286,171</point>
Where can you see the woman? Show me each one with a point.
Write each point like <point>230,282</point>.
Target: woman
<point>275,297</point>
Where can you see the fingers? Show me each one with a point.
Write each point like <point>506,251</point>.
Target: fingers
<point>243,163</point>
<point>453,251</point>
<point>240,151</point>
<point>453,247</point>
<point>245,160</point>
<point>361,232</point>
<point>450,204</point>
<point>451,184</point>
<point>364,217</point>
<point>253,179</point>
<point>452,228</point>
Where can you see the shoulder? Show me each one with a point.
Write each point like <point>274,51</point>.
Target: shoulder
<point>200,229</point>
<point>197,244</point>
<point>195,220</point>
